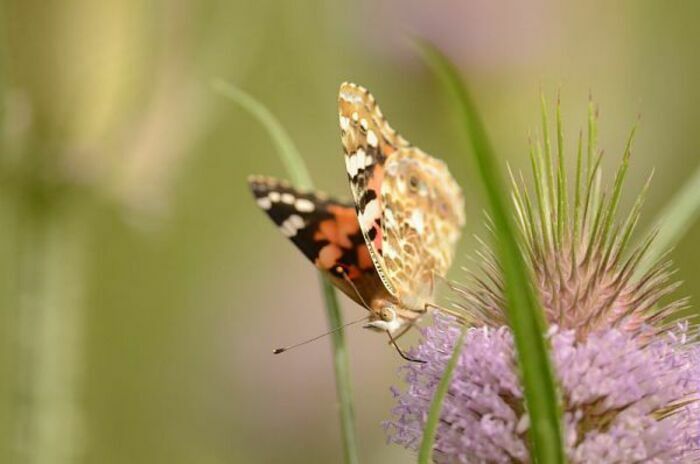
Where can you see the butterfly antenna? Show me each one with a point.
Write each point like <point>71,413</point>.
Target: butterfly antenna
<point>287,348</point>
<point>349,281</point>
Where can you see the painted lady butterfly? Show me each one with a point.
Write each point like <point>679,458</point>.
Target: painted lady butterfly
<point>385,249</point>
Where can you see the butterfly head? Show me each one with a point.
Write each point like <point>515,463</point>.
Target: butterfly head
<point>387,316</point>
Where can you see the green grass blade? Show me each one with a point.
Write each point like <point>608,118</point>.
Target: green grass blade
<point>429,432</point>
<point>287,151</point>
<point>299,175</point>
<point>675,219</point>
<point>523,310</point>
<point>342,374</point>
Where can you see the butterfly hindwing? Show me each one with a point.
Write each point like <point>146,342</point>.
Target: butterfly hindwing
<point>423,218</point>
<point>325,230</point>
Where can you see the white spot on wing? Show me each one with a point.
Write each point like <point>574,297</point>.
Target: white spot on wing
<point>369,214</point>
<point>264,202</point>
<point>389,251</point>
<point>296,221</point>
<point>360,159</point>
<point>352,164</point>
<point>344,123</point>
<point>291,225</point>
<point>287,198</point>
<point>389,218</point>
<point>274,196</point>
<point>416,220</point>
<point>303,205</point>
<point>372,139</point>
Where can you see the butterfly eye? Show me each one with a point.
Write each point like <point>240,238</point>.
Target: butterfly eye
<point>387,315</point>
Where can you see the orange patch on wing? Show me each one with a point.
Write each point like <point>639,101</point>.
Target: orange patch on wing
<point>387,149</point>
<point>364,260</point>
<point>348,224</point>
<point>353,272</point>
<point>328,256</point>
<point>327,230</point>
<point>339,229</point>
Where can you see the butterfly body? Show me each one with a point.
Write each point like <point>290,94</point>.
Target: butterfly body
<point>385,248</point>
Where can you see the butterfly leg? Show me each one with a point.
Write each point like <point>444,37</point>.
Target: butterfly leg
<point>450,312</point>
<point>401,353</point>
<point>403,331</point>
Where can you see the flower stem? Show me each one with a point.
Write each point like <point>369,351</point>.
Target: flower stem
<point>425,451</point>
<point>50,247</point>
<point>299,174</point>
<point>342,374</point>
<point>523,309</point>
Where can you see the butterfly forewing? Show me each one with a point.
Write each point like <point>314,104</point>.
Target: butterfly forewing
<point>367,142</point>
<point>326,231</point>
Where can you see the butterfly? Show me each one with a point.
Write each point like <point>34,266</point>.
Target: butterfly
<point>385,248</point>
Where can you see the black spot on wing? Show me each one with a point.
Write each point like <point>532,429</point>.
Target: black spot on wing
<point>367,196</point>
<point>372,233</point>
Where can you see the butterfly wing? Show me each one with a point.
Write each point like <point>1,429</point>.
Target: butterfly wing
<point>326,231</point>
<point>409,207</point>
<point>423,211</point>
<point>368,141</point>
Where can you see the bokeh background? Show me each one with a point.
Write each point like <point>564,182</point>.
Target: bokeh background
<point>141,288</point>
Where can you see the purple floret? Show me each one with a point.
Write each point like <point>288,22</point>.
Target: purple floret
<point>624,400</point>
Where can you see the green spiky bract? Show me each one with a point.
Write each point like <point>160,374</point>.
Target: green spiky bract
<point>299,174</point>
<point>587,275</point>
<point>524,314</point>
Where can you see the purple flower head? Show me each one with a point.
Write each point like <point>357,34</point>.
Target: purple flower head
<point>623,402</point>
<point>628,368</point>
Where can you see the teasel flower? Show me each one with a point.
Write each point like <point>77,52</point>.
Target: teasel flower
<point>627,365</point>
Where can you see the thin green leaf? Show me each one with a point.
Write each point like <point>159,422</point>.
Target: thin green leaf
<point>524,313</point>
<point>294,164</point>
<point>286,150</point>
<point>430,430</point>
<point>675,219</point>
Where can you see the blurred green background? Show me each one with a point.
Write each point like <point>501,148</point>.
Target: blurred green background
<point>142,290</point>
